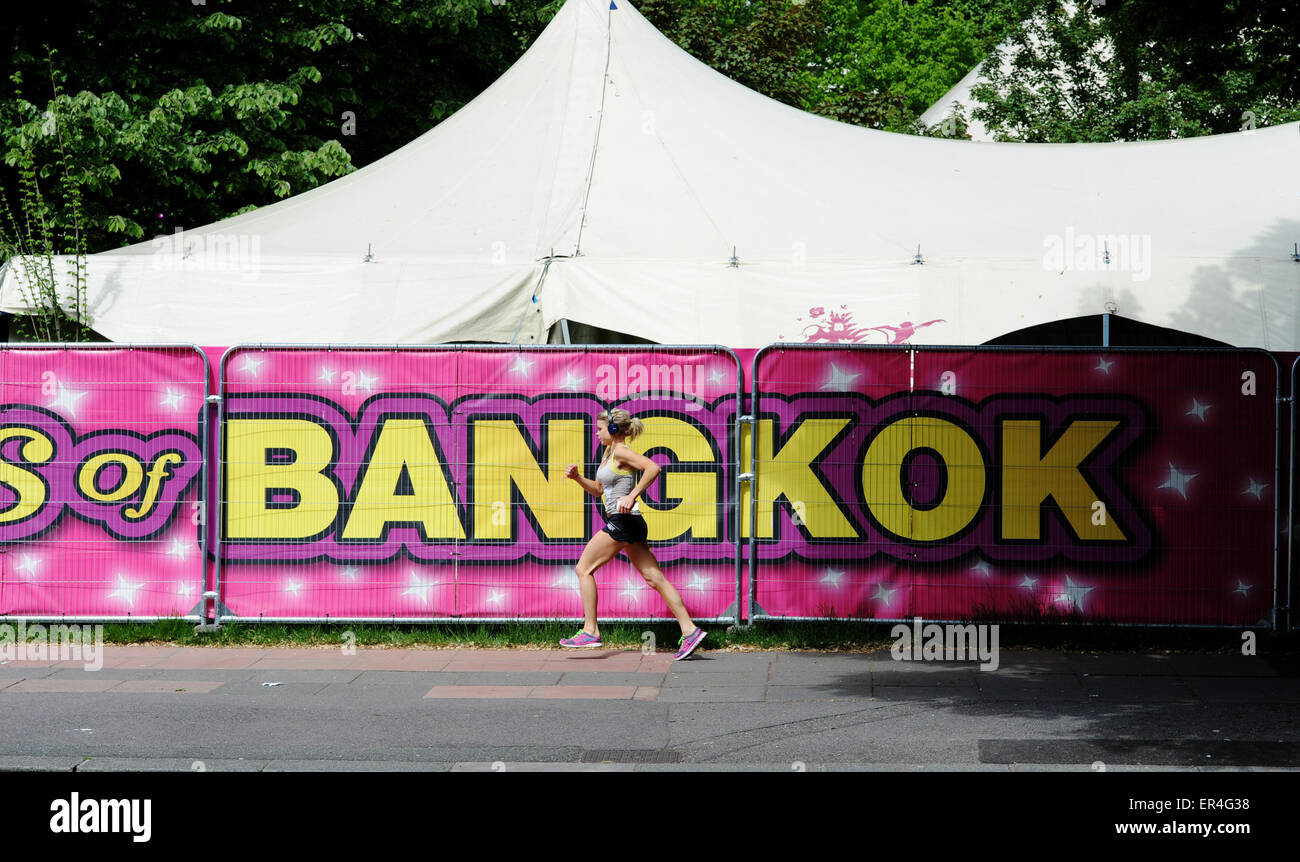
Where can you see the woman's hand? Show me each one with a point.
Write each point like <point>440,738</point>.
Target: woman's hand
<point>625,504</point>
<point>571,471</point>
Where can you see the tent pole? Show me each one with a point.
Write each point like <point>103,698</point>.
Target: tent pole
<point>1105,330</point>
<point>564,330</point>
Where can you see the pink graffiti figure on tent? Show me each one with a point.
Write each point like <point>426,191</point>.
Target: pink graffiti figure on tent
<point>905,330</point>
<point>837,328</point>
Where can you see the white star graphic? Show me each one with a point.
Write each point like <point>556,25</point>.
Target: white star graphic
<point>172,399</point>
<point>1074,593</point>
<point>28,565</point>
<point>366,382</point>
<point>1103,365</point>
<point>832,577</point>
<point>572,383</point>
<point>293,587</point>
<point>717,376</point>
<point>884,594</point>
<point>1178,481</point>
<point>1198,409</point>
<point>252,366</point>
<point>184,590</point>
<point>630,590</point>
<point>1254,488</point>
<point>522,366</point>
<point>68,398</point>
<point>698,582</point>
<point>350,573</point>
<point>1028,583</point>
<point>495,597</point>
<point>982,567</point>
<point>569,579</point>
<point>840,380</point>
<point>326,375</point>
<point>125,590</point>
<point>419,588</point>
<point>1243,587</point>
<point>178,548</point>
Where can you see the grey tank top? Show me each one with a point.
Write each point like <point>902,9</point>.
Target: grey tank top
<point>618,484</point>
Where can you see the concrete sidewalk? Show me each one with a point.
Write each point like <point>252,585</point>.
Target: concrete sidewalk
<point>379,709</point>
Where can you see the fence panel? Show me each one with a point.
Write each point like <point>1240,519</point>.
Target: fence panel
<point>1127,486</point>
<point>428,483</point>
<point>102,450</point>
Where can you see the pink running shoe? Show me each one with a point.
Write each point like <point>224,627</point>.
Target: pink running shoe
<point>689,643</point>
<point>580,641</point>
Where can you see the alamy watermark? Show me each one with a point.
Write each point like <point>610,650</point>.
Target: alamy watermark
<point>949,642</point>
<point>654,382</point>
<point>223,252</point>
<point>37,642</point>
<point>1098,253</point>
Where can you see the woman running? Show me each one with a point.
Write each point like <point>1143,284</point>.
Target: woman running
<point>625,529</point>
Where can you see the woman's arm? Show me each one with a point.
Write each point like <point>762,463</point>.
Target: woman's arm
<point>591,486</point>
<point>630,458</point>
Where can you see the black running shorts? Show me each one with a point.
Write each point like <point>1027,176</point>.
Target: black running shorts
<point>626,528</point>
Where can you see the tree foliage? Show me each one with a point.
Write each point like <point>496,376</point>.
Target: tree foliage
<point>1131,71</point>
<point>176,113</point>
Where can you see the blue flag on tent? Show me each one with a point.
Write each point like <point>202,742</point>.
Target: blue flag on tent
<point>612,6</point>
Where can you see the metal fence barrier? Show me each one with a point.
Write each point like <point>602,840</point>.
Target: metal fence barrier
<point>1120,485</point>
<point>102,481</point>
<point>425,484</point>
<point>421,484</point>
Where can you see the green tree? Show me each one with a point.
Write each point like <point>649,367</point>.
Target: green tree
<point>176,114</point>
<point>877,64</point>
<point>1130,71</point>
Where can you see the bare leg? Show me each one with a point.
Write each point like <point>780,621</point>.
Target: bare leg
<point>600,550</point>
<point>644,560</point>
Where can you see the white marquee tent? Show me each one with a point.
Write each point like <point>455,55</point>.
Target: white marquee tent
<point>611,179</point>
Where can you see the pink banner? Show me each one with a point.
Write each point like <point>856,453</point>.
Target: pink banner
<point>100,456</point>
<point>429,483</point>
<point>1132,487</point>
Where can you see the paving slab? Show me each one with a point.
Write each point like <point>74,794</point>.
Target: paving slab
<point>387,693</point>
<point>737,677</point>
<point>926,693</point>
<point>1048,686</point>
<point>1138,689</point>
<point>412,660</point>
<point>818,692</point>
<point>1261,690</point>
<point>585,692</point>
<point>712,694</point>
<point>59,686</point>
<point>284,690</point>
<point>502,766</point>
<point>785,676</point>
<point>36,763</point>
<point>304,675</point>
<point>615,678</point>
<point>484,677</point>
<point>166,686</point>
<point>480,691</point>
<point>949,677</point>
<point>406,677</point>
<point>29,672</point>
<point>168,764</point>
<point>355,766</point>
